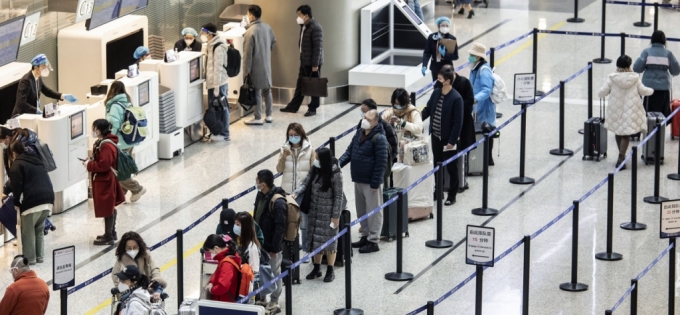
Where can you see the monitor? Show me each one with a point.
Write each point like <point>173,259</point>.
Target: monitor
<point>8,97</point>
<point>119,52</point>
<point>10,38</point>
<point>194,69</point>
<point>129,6</point>
<point>143,93</point>
<point>104,11</point>
<point>77,125</point>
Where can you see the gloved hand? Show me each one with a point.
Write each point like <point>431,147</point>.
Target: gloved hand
<point>70,98</point>
<point>39,112</point>
<point>424,70</point>
<point>216,92</point>
<point>442,50</point>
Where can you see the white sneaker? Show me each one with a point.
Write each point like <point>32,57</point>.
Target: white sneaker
<point>254,122</point>
<point>135,197</point>
<point>273,308</point>
<point>269,119</point>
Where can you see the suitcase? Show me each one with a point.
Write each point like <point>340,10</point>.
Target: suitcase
<point>188,307</point>
<point>595,137</point>
<point>291,253</point>
<point>475,161</point>
<point>461,164</point>
<point>675,122</point>
<point>389,228</point>
<point>649,149</point>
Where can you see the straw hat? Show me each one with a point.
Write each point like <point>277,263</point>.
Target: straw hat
<point>478,50</point>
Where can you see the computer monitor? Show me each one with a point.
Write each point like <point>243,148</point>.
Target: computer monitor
<point>10,38</point>
<point>119,52</point>
<point>77,125</point>
<point>129,6</point>
<point>194,69</point>
<point>143,93</point>
<point>104,11</point>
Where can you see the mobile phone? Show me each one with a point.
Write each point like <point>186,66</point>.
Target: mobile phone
<point>82,160</point>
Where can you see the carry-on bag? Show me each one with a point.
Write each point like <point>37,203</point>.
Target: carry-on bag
<point>475,159</point>
<point>188,307</point>
<point>389,228</point>
<point>595,137</point>
<point>214,115</point>
<point>417,151</point>
<point>246,96</point>
<point>649,149</point>
<point>461,164</point>
<point>675,122</point>
<point>291,254</point>
<point>314,86</point>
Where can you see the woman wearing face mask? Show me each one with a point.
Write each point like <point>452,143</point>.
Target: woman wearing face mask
<point>188,41</point>
<point>134,296</point>
<point>404,118</point>
<point>106,191</point>
<point>132,250</point>
<point>324,186</point>
<point>481,78</point>
<point>244,228</point>
<point>224,285</point>
<point>436,51</point>
<point>226,225</point>
<point>295,161</point>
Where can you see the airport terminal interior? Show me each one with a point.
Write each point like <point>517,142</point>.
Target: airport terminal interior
<point>370,49</point>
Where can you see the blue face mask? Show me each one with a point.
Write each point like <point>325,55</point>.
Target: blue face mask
<point>237,230</point>
<point>472,59</point>
<point>317,164</point>
<point>294,139</point>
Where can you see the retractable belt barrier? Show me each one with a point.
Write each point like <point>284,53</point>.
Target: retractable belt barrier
<point>598,34</point>
<point>661,5</point>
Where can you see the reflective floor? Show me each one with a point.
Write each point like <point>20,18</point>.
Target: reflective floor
<point>185,188</point>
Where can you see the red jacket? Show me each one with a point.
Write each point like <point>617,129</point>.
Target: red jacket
<point>226,287</point>
<point>106,191</point>
<point>27,295</point>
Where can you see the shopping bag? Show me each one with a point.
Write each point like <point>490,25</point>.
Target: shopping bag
<point>315,87</point>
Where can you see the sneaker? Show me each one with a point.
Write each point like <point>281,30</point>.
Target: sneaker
<point>369,248</point>
<point>262,303</point>
<point>450,201</point>
<point>269,119</point>
<point>135,197</point>
<point>271,306</point>
<point>361,243</point>
<point>226,138</point>
<point>288,110</point>
<point>310,113</point>
<point>32,262</point>
<point>40,260</point>
<point>254,122</point>
<point>274,311</point>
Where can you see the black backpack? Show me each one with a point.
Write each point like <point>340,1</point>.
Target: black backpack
<point>233,66</point>
<point>214,116</point>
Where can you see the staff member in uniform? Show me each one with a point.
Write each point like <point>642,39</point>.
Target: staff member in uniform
<point>31,86</point>
<point>188,41</point>
<point>141,53</point>
<point>435,50</point>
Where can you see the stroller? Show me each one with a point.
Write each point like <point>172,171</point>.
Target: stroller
<point>156,308</point>
<point>8,217</point>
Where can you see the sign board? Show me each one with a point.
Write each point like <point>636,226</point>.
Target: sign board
<point>84,10</point>
<point>670,219</point>
<point>49,110</point>
<point>525,89</point>
<point>64,267</point>
<point>479,246</point>
<point>30,28</point>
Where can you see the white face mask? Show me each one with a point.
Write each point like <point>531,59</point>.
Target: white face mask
<point>365,124</point>
<point>188,41</point>
<point>204,38</point>
<point>94,135</point>
<point>133,253</point>
<point>300,20</point>
<point>362,115</point>
<point>258,188</point>
<point>444,29</point>
<point>45,73</point>
<point>317,164</point>
<point>122,287</point>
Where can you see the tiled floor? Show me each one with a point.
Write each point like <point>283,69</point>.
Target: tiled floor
<point>185,188</point>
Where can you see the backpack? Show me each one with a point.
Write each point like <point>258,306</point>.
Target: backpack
<point>244,276</point>
<point>388,169</point>
<point>233,66</point>
<point>293,217</point>
<point>125,164</point>
<point>134,128</point>
<point>214,115</point>
<point>46,156</point>
<point>499,92</point>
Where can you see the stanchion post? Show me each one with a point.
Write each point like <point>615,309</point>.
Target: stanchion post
<point>430,308</point>
<point>526,274</point>
<point>479,291</point>
<point>656,199</point>
<point>64,301</point>
<point>289,290</point>
<point>521,179</point>
<point>642,22</point>
<point>633,225</point>
<point>485,210</point>
<point>561,151</point>
<point>633,297</point>
<point>623,44</point>
<point>609,255</point>
<point>602,59</point>
<point>575,19</point>
<point>439,242</point>
<point>574,285</point>
<point>590,89</point>
<point>348,310</point>
<point>656,16</point>
<point>400,275</point>
<point>180,267</point>
<point>671,277</point>
<point>331,145</point>
<point>413,98</point>
<point>492,57</point>
<point>534,60</point>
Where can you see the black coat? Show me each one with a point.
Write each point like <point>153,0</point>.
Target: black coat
<point>390,135</point>
<point>312,44</point>
<point>369,160</point>
<point>28,95</point>
<point>180,45</point>
<point>467,133</point>
<point>430,52</point>
<point>452,114</point>
<point>29,180</point>
<point>272,221</point>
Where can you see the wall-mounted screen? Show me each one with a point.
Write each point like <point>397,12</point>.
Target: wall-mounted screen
<point>10,38</point>
<point>77,125</point>
<point>129,6</point>
<point>143,93</point>
<point>194,69</point>
<point>103,12</point>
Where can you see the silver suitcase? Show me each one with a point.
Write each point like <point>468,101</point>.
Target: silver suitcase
<point>188,307</point>
<point>475,161</point>
<point>649,149</point>
<point>461,163</point>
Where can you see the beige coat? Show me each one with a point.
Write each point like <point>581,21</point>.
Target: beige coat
<point>146,266</point>
<point>295,167</point>
<point>410,121</point>
<point>625,113</point>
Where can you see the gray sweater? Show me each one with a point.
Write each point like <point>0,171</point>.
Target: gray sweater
<point>658,65</point>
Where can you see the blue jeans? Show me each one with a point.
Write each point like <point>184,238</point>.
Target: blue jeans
<point>211,96</point>
<point>415,6</point>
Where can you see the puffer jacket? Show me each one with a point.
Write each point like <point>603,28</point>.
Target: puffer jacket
<point>411,122</point>
<point>139,302</point>
<point>391,137</point>
<point>272,220</point>
<point>481,78</point>
<point>146,266</point>
<point>295,168</point>
<point>215,73</point>
<point>625,114</point>
<point>658,65</point>
<point>115,114</point>
<point>323,206</point>
<point>311,44</point>
<point>369,160</point>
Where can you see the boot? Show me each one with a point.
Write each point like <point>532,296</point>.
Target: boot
<point>461,11</point>
<point>363,241</point>
<point>470,14</point>
<point>113,230</point>
<point>316,272</point>
<point>330,274</point>
<point>107,238</point>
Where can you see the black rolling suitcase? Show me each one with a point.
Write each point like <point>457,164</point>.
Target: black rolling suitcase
<point>342,253</point>
<point>389,228</point>
<point>649,149</point>
<point>595,137</point>
<point>291,254</point>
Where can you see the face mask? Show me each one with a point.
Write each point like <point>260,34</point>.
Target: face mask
<point>444,30</point>
<point>362,115</point>
<point>258,188</point>
<point>398,107</point>
<point>294,139</point>
<point>133,253</point>
<point>472,59</point>
<point>237,230</point>
<point>204,38</point>
<point>317,164</point>
<point>189,41</point>
<point>300,20</point>
<point>45,73</point>
<point>365,124</point>
<point>122,287</point>
<point>94,135</point>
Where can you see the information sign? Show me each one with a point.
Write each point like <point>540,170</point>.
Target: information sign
<point>84,10</point>
<point>30,28</point>
<point>64,267</point>
<point>525,89</point>
<point>670,219</point>
<point>479,249</point>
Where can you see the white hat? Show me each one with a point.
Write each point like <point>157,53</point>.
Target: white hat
<point>478,50</point>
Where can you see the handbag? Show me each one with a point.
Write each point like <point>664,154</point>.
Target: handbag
<point>246,95</point>
<point>417,152</point>
<point>314,87</point>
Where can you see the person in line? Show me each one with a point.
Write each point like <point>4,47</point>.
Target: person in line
<point>188,41</point>
<point>295,161</point>
<point>246,239</point>
<point>390,134</point>
<point>445,106</point>
<point>28,294</point>
<point>31,87</point>
<point>141,53</point>
<point>117,100</point>
<point>106,191</point>
<point>311,58</point>
<point>34,198</point>
<point>134,296</point>
<point>435,52</point>
<point>625,113</point>
<point>226,225</point>
<point>368,154</point>
<point>464,4</point>
<point>657,65</point>
<point>216,77</point>
<point>258,43</point>
<point>415,7</point>
<point>467,133</point>
<point>224,284</point>
<point>272,220</point>
<point>403,117</point>
<point>481,78</point>
<point>132,250</point>
<point>324,186</point>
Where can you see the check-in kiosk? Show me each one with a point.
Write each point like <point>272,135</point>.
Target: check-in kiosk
<point>9,84</point>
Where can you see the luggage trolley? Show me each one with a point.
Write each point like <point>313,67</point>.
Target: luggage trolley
<point>115,301</point>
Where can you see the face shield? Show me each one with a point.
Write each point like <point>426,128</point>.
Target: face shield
<point>40,60</point>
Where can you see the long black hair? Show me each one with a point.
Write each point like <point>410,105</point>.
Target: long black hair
<point>134,236</point>
<point>326,161</point>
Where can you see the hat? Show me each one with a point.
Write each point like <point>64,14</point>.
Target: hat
<point>478,50</point>
<point>624,62</point>
<point>442,19</point>
<point>39,60</point>
<point>189,31</point>
<point>140,52</point>
<point>130,272</point>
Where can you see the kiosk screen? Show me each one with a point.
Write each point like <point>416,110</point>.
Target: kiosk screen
<point>77,126</point>
<point>10,38</point>
<point>194,69</point>
<point>104,11</point>
<point>129,6</point>
<point>143,93</point>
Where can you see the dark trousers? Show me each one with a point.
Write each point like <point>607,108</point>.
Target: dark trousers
<point>296,102</point>
<point>440,156</point>
<point>660,101</point>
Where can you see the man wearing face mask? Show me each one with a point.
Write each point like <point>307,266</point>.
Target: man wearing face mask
<point>188,41</point>
<point>216,77</point>
<point>436,51</point>
<point>258,42</point>
<point>369,104</point>
<point>368,153</point>
<point>31,87</point>
<point>28,294</point>
<point>311,58</point>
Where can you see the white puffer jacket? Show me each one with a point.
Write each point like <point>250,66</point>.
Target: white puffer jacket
<point>295,168</point>
<point>625,113</point>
